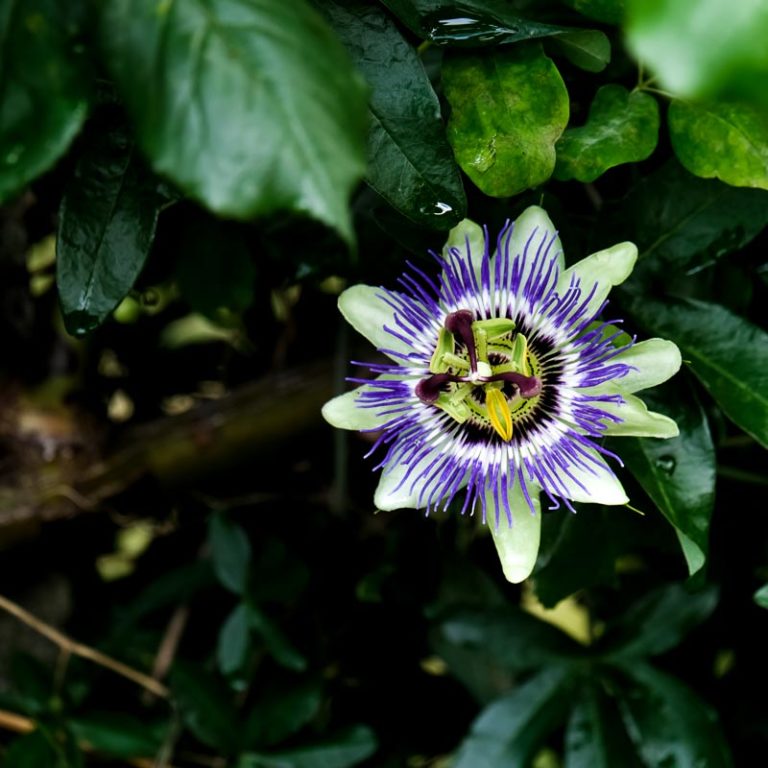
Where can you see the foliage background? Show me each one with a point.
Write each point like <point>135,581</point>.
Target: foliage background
<point>186,187</point>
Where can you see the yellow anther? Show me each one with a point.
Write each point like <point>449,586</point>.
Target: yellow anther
<point>498,413</point>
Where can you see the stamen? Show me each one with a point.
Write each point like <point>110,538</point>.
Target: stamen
<point>445,347</point>
<point>498,413</point>
<point>459,323</point>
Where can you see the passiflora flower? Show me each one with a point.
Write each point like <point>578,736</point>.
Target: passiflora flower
<point>503,381</point>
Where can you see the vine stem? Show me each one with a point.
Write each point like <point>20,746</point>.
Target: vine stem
<point>73,648</point>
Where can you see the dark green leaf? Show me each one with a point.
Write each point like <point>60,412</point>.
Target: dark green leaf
<point>106,228</point>
<point>250,106</point>
<point>32,751</point>
<point>410,163</point>
<point>230,551</point>
<point>43,89</point>
<point>215,268</point>
<point>595,736</point>
<point>281,711</point>
<point>507,732</point>
<point>589,49</point>
<point>509,107</point>
<point>622,127</point>
<point>723,140</point>
<point>658,621</point>
<point>761,596</point>
<point>281,648</point>
<point>669,724</point>
<point>678,473</point>
<point>487,647</point>
<point>32,683</point>
<point>726,352</point>
<point>607,11</point>
<point>234,641</point>
<point>118,735</point>
<point>701,50</point>
<point>205,707</point>
<point>346,749</point>
<point>682,222</point>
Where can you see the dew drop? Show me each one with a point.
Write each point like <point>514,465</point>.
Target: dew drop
<point>465,29</point>
<point>14,154</point>
<point>485,158</point>
<point>666,464</point>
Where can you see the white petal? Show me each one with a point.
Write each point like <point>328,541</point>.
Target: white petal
<point>652,362</point>
<point>534,221</point>
<point>345,412</point>
<point>365,310</point>
<point>518,544</point>
<point>603,269</point>
<point>637,420</point>
<point>467,231</point>
<point>392,493</point>
<point>602,486</point>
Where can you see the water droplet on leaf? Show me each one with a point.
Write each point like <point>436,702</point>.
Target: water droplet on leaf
<point>666,464</point>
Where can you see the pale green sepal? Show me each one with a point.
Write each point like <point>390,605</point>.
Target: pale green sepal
<point>467,230</point>
<point>518,544</point>
<point>603,270</point>
<point>652,362</point>
<point>637,420</point>
<point>533,221</point>
<point>367,313</point>
<point>345,412</point>
<point>601,486</point>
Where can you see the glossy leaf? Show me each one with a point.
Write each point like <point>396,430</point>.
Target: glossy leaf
<point>293,128</point>
<point>43,89</point>
<point>682,222</point>
<point>622,127</point>
<point>678,473</point>
<point>607,11</point>
<point>117,735</point>
<point>595,736</point>
<point>508,731</point>
<point>703,49</point>
<point>205,707</point>
<point>723,140</point>
<point>281,648</point>
<point>588,49</point>
<point>230,551</point>
<point>761,596</point>
<point>234,641</point>
<point>726,352</point>
<point>669,724</point>
<point>280,712</point>
<point>106,227</point>
<point>410,163</point>
<point>658,622</point>
<point>509,107</point>
<point>347,748</point>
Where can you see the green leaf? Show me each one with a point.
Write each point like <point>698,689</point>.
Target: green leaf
<point>588,49</point>
<point>726,352</point>
<point>281,711</point>
<point>703,50</point>
<point>607,11</point>
<point>279,646</point>
<point>508,731</point>
<point>509,107</point>
<point>622,127</point>
<point>668,723</point>
<point>761,596</point>
<point>678,473</point>
<point>251,106</point>
<point>595,736</point>
<point>205,707</point>
<point>234,641</point>
<point>724,140</point>
<point>32,751</point>
<point>43,89</point>
<point>346,748</point>
<point>682,222</point>
<point>657,622</point>
<point>486,647</point>
<point>209,283</point>
<point>116,734</point>
<point>410,163</point>
<point>106,227</point>
<point>230,551</point>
